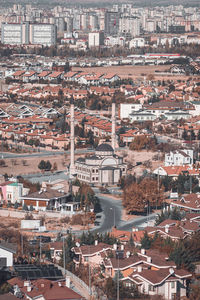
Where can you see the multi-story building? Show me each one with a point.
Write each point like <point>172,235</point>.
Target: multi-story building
<point>43,34</point>
<point>95,39</point>
<point>129,25</point>
<point>15,34</point>
<point>111,22</point>
<point>25,33</point>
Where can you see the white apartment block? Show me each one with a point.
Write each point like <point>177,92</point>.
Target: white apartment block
<point>179,158</point>
<point>128,108</point>
<point>129,25</point>
<point>43,34</point>
<point>25,33</point>
<point>95,39</point>
<point>14,34</point>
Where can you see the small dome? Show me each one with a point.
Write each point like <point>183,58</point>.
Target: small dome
<point>104,147</point>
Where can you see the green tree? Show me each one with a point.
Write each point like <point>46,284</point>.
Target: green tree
<point>48,165</point>
<point>42,165</point>
<point>184,135</point>
<point>192,135</point>
<point>146,241</point>
<point>198,135</point>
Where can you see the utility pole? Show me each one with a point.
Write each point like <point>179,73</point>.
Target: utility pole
<point>64,263</point>
<point>158,189</point>
<point>22,245</point>
<point>40,250</point>
<point>118,277</point>
<point>89,274</point>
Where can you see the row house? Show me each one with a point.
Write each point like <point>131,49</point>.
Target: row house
<point>55,76</point>
<point>44,75</point>
<point>97,90</point>
<point>70,76</point>
<point>29,76</point>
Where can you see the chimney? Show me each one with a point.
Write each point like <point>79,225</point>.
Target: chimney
<point>122,247</point>
<point>143,251</point>
<point>113,124</point>
<point>167,228</point>
<point>96,242</point>
<point>29,288</point>
<point>115,246</point>
<point>149,260</point>
<point>72,166</point>
<point>139,269</point>
<point>67,281</point>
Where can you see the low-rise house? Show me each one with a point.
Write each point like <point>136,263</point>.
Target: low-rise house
<point>175,171</point>
<point>168,283</point>
<point>6,254</point>
<point>45,198</point>
<point>12,191</point>
<point>179,157</point>
<point>29,76</point>
<point>189,203</point>
<point>90,253</point>
<point>56,250</point>
<point>44,289</point>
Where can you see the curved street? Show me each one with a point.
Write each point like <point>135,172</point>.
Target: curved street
<point>111,216</point>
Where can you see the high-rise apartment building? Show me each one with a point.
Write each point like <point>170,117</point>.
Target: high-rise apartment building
<point>43,34</point>
<point>25,33</point>
<point>14,34</point>
<point>111,22</point>
<point>129,25</point>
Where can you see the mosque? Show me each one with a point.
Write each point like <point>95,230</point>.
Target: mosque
<point>102,168</point>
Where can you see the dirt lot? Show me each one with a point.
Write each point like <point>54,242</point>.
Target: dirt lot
<point>131,157</point>
<point>28,165</point>
<point>133,72</point>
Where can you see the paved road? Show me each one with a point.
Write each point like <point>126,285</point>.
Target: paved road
<point>43,153</point>
<point>111,215</point>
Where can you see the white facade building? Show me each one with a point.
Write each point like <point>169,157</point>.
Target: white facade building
<point>14,34</point>
<point>25,33</point>
<point>6,254</point>
<point>103,168</point>
<point>129,25</point>
<point>179,158</point>
<point>95,39</point>
<point>137,43</point>
<point>127,108</point>
<point>43,34</point>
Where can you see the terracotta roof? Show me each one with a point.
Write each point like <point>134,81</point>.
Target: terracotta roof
<point>45,194</point>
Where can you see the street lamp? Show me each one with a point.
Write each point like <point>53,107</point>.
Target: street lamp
<point>113,208</point>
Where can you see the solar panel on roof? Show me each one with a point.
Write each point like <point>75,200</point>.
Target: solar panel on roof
<point>52,273</point>
<point>38,271</point>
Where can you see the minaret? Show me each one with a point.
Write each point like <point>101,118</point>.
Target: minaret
<point>72,166</point>
<point>113,124</point>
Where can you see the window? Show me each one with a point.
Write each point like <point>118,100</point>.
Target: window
<point>151,288</point>
<point>172,284</point>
